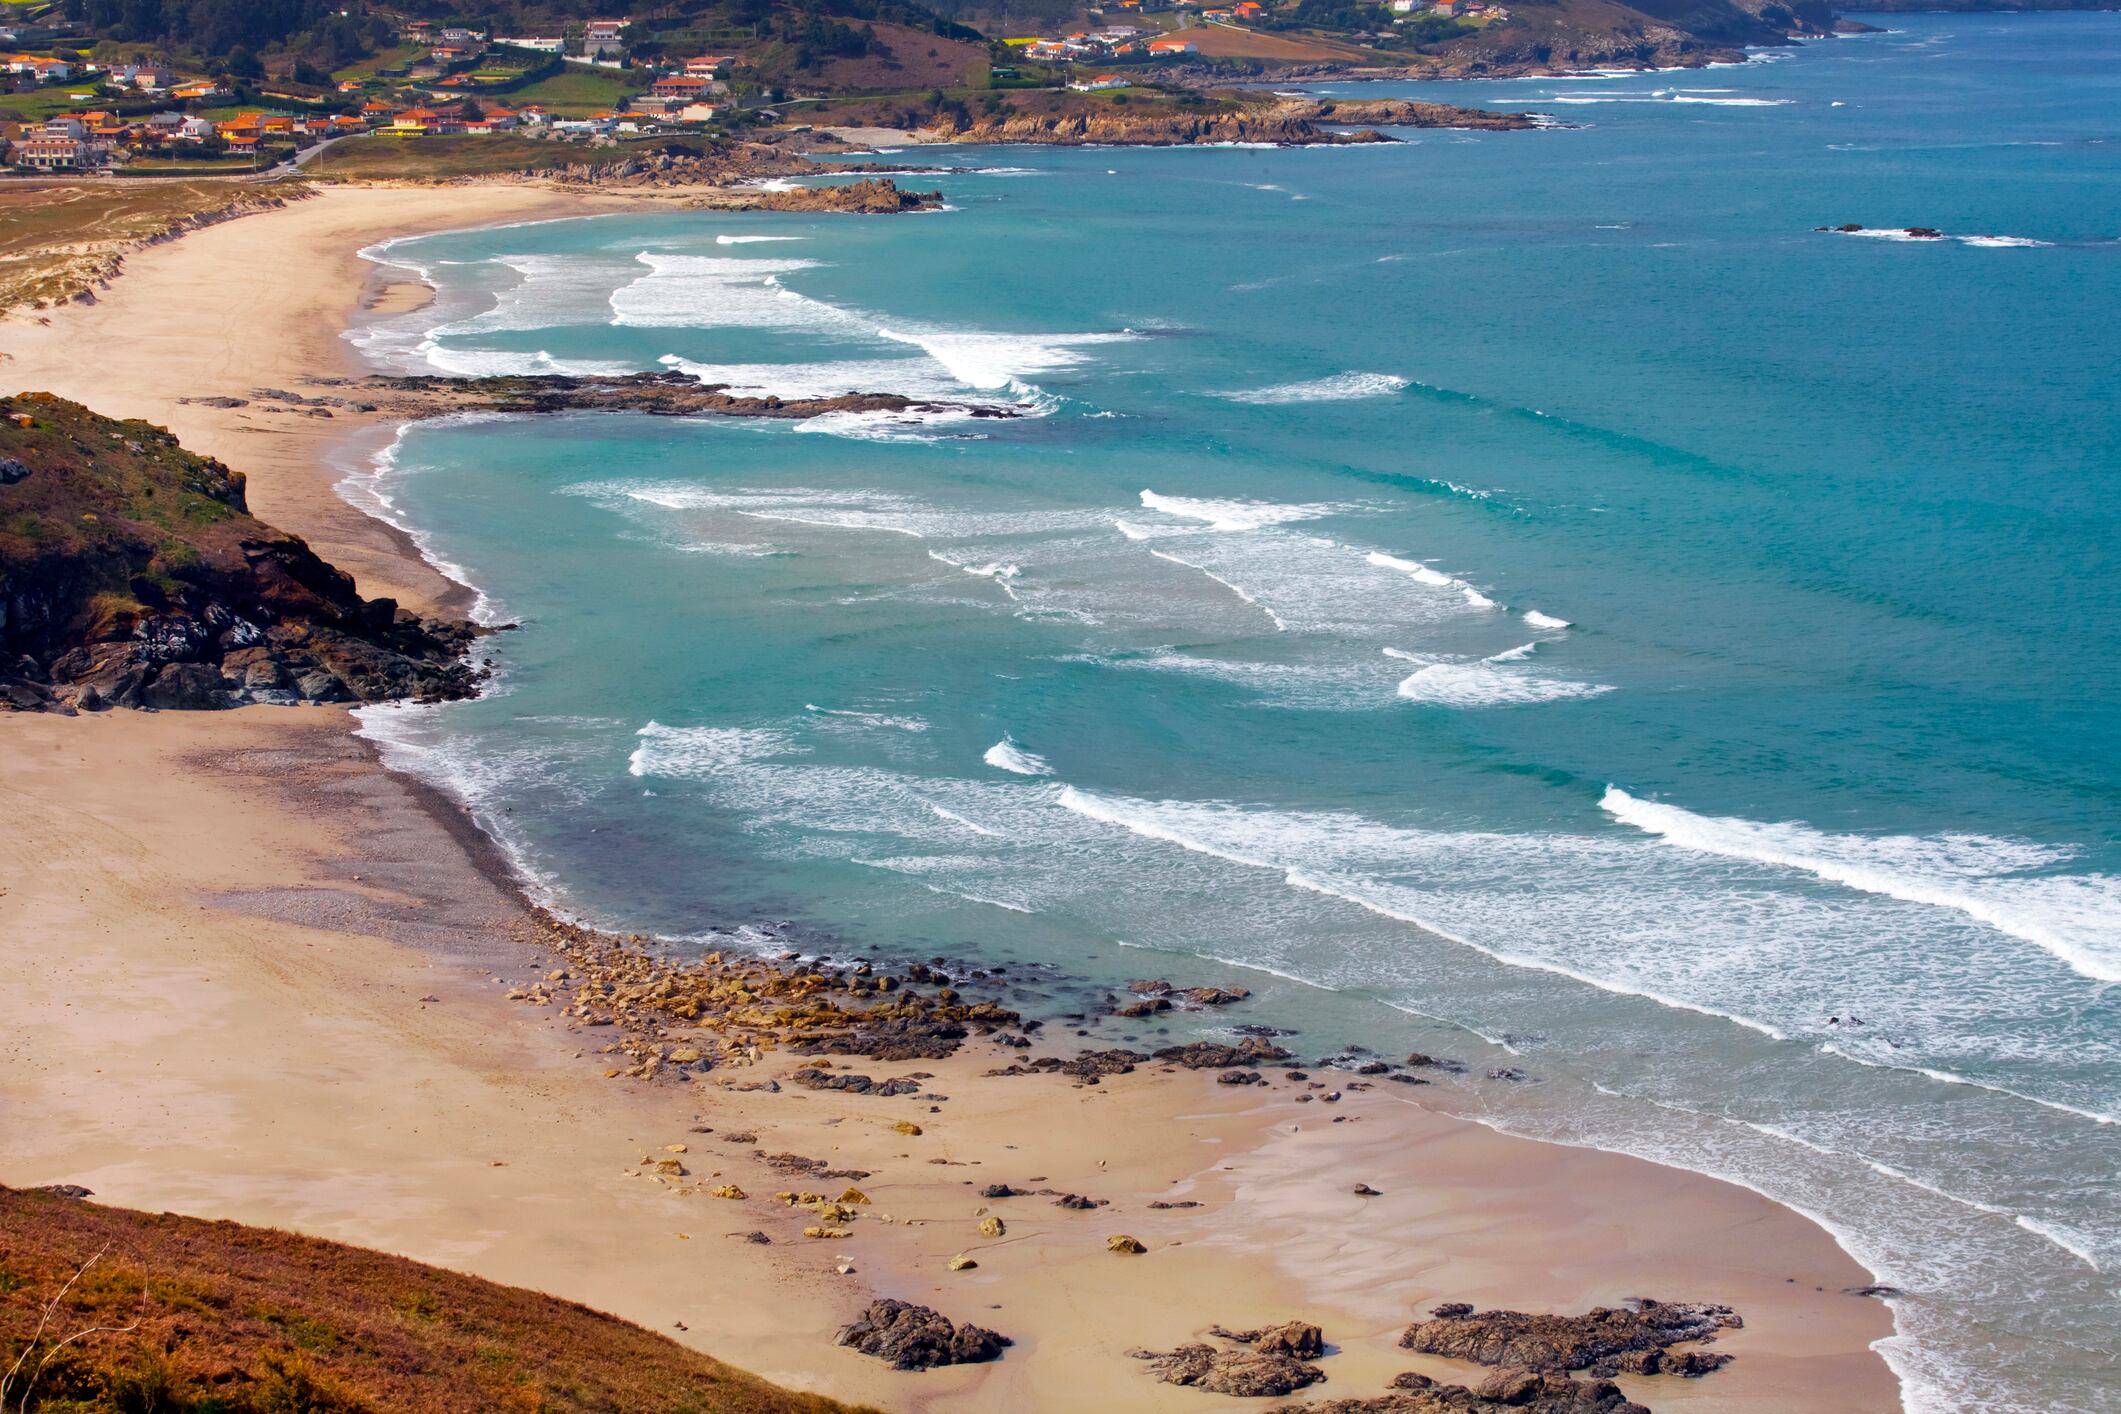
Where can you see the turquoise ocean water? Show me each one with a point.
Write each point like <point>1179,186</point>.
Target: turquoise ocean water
<point>1523,596</point>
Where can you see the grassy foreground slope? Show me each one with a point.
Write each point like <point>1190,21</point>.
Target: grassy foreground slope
<point>219,1318</point>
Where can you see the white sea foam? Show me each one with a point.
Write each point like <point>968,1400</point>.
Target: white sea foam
<point>712,291</point>
<point>1281,625</point>
<point>1341,387</point>
<point>1908,234</point>
<point>907,377</point>
<point>902,425</point>
<point>997,571</point>
<point>983,360</point>
<point>500,363</point>
<point>1006,755</point>
<point>1539,620</point>
<point>1233,515</point>
<point>1491,682</point>
<point>855,717</point>
<point>550,291</point>
<point>838,509</point>
<point>1422,574</point>
<point>751,240</point>
<point>2076,917</point>
<point>700,752</point>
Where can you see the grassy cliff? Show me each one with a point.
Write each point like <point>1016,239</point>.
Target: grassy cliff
<point>132,574</point>
<point>219,1318</point>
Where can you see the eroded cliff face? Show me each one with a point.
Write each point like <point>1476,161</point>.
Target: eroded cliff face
<point>1287,125</point>
<point>132,574</point>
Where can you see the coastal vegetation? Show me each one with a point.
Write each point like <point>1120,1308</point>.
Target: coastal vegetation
<point>59,240</point>
<point>106,1308</point>
<point>133,574</point>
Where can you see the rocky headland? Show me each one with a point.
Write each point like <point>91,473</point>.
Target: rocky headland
<point>1286,124</point>
<point>132,574</point>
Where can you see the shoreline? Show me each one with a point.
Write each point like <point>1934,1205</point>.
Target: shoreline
<point>1571,1228</point>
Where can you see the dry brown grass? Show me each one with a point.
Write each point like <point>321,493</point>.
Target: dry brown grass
<point>59,239</point>
<point>219,1318</point>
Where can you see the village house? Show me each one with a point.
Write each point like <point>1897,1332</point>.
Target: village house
<point>600,38</point>
<point>52,152</point>
<point>697,113</point>
<point>1098,84</point>
<point>543,44</point>
<point>44,69</point>
<point>679,86</point>
<point>199,92</point>
<point>1163,47</point>
<point>706,66</point>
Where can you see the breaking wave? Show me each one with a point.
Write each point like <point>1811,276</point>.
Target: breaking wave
<point>1341,387</point>
<point>1006,755</point>
<point>2076,917</point>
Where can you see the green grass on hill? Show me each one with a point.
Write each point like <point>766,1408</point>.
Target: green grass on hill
<point>576,91</point>
<point>245,1320</point>
<point>378,158</point>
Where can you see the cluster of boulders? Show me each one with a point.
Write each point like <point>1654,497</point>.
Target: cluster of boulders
<point>917,1338</point>
<point>1605,1340</point>
<point>677,1017</point>
<point>1254,1364</point>
<point>1155,996</point>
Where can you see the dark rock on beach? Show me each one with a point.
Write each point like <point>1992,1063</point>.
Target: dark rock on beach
<point>917,1338</point>
<point>1504,1392</point>
<point>1213,1055</point>
<point>1623,1335</point>
<point>1247,1374</point>
<point>854,1084</point>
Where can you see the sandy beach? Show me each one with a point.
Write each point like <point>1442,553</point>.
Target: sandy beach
<point>258,977</point>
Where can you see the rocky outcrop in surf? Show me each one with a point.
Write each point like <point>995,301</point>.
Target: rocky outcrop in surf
<point>664,394</point>
<point>1282,125</point>
<point>132,574</point>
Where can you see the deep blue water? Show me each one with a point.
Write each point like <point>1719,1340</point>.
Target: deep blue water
<point>1528,596</point>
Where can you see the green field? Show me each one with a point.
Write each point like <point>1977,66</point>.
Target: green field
<point>378,158</point>
<point>43,103</point>
<point>576,91</point>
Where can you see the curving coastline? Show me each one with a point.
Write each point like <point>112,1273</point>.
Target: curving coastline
<point>1565,1229</point>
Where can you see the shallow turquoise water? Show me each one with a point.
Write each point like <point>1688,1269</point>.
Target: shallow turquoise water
<point>1507,594</point>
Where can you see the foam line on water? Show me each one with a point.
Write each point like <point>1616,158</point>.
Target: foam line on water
<point>1232,516</point>
<point>1280,624</point>
<point>1435,579</point>
<point>2074,917</point>
<point>1947,1077</point>
<point>1340,387</point>
<point>1140,821</point>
